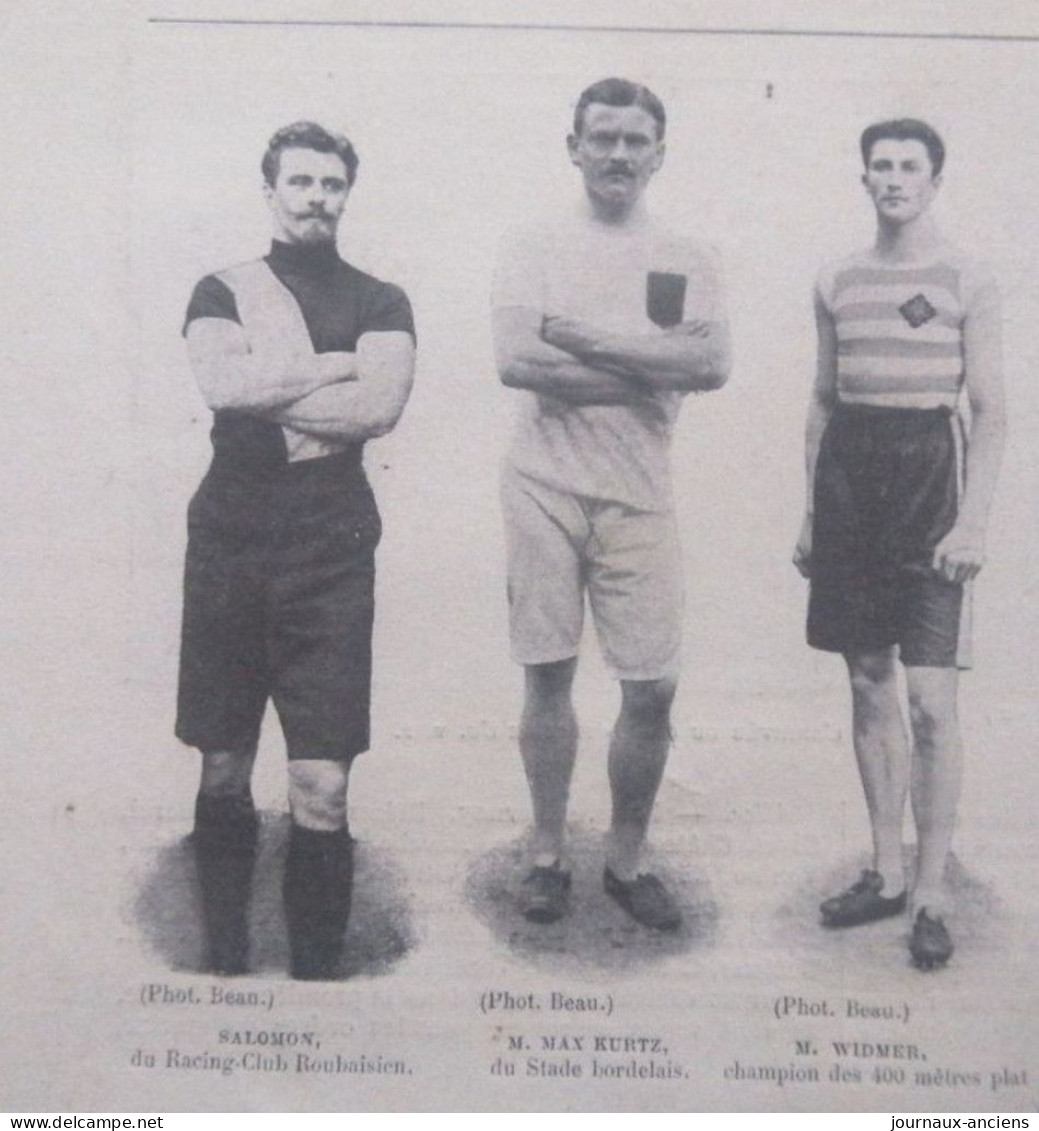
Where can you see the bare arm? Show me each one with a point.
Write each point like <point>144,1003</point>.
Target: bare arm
<point>691,357</point>
<point>961,553</point>
<point>821,403</point>
<point>526,361</point>
<point>230,377</point>
<point>364,408</point>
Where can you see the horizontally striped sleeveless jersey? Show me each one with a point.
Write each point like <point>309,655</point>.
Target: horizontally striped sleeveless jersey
<point>900,325</point>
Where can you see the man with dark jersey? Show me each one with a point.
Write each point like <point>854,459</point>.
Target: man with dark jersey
<point>898,503</point>
<point>605,320</point>
<point>302,358</point>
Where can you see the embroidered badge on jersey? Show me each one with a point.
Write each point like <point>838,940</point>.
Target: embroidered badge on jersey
<point>917,311</point>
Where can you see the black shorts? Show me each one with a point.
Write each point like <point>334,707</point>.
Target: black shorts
<point>279,602</point>
<point>887,489</point>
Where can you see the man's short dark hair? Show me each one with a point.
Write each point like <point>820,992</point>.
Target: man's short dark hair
<point>904,129</point>
<point>308,135</point>
<point>620,92</point>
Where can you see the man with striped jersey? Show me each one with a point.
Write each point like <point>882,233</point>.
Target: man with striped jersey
<point>604,320</point>
<point>898,502</point>
<point>302,358</point>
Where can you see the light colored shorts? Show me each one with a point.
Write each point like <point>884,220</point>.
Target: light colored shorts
<point>559,545</point>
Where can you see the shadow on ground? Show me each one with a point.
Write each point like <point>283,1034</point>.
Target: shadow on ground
<point>595,933</point>
<point>168,913</point>
<point>879,948</point>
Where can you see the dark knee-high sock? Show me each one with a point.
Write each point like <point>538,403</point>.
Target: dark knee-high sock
<point>225,852</point>
<point>319,872</point>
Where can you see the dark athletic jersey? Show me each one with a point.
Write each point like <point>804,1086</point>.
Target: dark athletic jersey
<point>900,326</point>
<point>576,266</point>
<point>888,484</point>
<point>339,303</point>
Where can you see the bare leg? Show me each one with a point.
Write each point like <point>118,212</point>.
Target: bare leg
<point>548,744</point>
<point>317,793</point>
<point>638,752</point>
<point>936,776</point>
<point>882,756</point>
<point>227,773</point>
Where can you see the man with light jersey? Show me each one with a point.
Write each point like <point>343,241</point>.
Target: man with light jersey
<point>898,503</point>
<point>302,358</point>
<point>604,320</point>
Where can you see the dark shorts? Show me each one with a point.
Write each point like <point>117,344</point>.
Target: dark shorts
<point>887,489</point>
<point>279,603</point>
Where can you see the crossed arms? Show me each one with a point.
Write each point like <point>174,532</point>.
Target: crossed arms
<point>338,395</point>
<point>581,364</point>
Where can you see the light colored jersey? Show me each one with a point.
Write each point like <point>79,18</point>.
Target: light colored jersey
<point>299,298</point>
<point>900,326</point>
<point>580,268</point>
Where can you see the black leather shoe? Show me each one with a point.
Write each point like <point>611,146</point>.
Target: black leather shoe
<point>861,903</point>
<point>318,885</point>
<point>930,945</point>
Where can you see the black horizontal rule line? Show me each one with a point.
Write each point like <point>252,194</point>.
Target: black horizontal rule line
<point>802,33</point>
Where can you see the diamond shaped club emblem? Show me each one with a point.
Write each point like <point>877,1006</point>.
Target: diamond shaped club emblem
<point>917,311</point>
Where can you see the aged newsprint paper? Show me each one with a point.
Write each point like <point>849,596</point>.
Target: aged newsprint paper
<point>133,134</point>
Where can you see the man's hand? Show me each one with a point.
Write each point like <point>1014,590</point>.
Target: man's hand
<point>526,359</point>
<point>231,376</point>
<point>365,404</point>
<point>803,550</point>
<point>336,365</point>
<point>959,556</point>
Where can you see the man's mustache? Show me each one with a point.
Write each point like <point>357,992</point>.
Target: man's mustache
<point>314,214</point>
